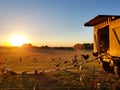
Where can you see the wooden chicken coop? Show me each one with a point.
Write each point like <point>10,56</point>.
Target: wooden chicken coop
<point>107,40</point>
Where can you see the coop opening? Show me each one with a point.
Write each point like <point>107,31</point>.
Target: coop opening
<point>103,38</point>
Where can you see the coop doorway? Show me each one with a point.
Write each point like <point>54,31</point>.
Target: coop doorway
<point>103,39</point>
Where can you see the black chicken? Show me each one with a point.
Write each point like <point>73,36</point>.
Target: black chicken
<point>85,56</point>
<point>95,54</point>
<point>57,65</point>
<point>65,62</point>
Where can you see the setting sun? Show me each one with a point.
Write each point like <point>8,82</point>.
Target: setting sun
<point>18,40</point>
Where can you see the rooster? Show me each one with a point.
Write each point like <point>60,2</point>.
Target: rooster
<point>85,56</point>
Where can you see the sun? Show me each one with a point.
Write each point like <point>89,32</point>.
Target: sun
<point>18,40</point>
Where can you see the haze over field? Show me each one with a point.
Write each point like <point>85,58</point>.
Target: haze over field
<point>51,22</point>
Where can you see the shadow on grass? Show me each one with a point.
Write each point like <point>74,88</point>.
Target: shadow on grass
<point>45,81</point>
<point>58,80</point>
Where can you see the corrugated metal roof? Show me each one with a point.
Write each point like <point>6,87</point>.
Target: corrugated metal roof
<point>99,19</point>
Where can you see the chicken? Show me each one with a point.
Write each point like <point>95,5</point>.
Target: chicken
<point>85,56</point>
<point>57,65</point>
<point>95,54</point>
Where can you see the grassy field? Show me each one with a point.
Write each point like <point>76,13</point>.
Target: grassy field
<point>67,77</point>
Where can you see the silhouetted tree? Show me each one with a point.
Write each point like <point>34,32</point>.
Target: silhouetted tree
<point>45,47</point>
<point>79,46</point>
<point>27,45</point>
<point>84,46</point>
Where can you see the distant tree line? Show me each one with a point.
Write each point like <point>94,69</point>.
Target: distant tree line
<point>63,48</point>
<point>34,47</point>
<point>78,46</point>
<point>45,47</point>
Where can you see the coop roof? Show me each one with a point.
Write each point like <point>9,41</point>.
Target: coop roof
<point>99,19</point>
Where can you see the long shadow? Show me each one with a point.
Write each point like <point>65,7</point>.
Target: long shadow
<point>32,82</point>
<point>58,80</point>
<point>44,82</point>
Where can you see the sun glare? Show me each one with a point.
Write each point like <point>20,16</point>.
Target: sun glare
<point>18,40</point>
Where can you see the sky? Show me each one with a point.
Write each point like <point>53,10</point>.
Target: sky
<point>52,22</point>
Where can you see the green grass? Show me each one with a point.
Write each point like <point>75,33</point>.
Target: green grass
<point>55,80</point>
